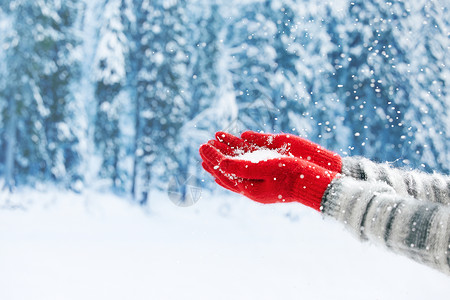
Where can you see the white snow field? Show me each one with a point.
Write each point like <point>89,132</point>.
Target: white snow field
<point>95,245</point>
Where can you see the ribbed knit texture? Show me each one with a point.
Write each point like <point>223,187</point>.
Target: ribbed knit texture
<point>428,187</point>
<point>375,211</point>
<point>309,190</point>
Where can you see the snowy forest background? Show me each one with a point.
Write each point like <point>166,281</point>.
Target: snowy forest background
<point>121,93</point>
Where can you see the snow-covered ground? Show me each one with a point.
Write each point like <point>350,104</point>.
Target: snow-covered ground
<point>98,246</point>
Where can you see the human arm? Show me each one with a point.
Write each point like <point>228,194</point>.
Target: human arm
<point>374,211</point>
<point>427,187</point>
<point>423,186</point>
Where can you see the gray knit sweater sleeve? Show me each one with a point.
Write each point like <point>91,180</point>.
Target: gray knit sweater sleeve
<point>406,225</point>
<point>428,187</point>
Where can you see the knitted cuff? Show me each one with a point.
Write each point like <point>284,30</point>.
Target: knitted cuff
<point>310,190</point>
<point>330,199</point>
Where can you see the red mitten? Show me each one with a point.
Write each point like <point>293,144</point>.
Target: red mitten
<point>283,143</point>
<point>231,145</point>
<point>211,159</point>
<point>284,179</point>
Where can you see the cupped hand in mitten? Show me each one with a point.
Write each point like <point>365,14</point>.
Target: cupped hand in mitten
<point>282,179</point>
<point>288,144</point>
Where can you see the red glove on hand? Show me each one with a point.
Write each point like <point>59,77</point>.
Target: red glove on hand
<point>283,143</point>
<point>285,179</point>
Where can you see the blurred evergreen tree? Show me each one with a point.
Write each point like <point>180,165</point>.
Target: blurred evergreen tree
<point>159,47</point>
<point>110,80</point>
<point>41,68</point>
<point>391,76</point>
<point>264,66</point>
<point>367,77</point>
<point>204,86</point>
<point>424,31</point>
<point>324,115</point>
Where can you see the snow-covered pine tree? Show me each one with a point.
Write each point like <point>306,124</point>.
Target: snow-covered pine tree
<point>252,57</point>
<point>322,118</point>
<point>368,79</point>
<point>262,46</point>
<point>204,51</point>
<point>62,67</point>
<point>291,100</point>
<point>21,106</point>
<point>424,34</point>
<point>131,17</point>
<point>110,79</point>
<point>159,50</point>
<point>41,69</point>
<point>5,26</point>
